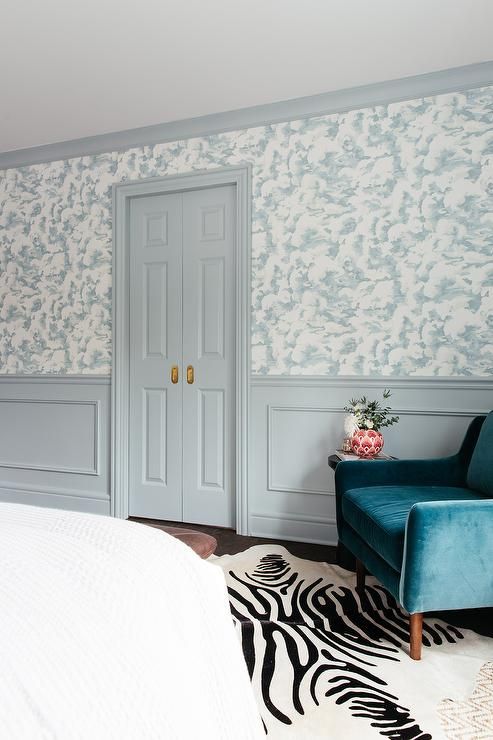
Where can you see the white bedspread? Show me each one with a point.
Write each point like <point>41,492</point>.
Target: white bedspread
<point>110,629</point>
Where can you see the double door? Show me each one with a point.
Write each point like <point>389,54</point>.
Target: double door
<point>182,352</point>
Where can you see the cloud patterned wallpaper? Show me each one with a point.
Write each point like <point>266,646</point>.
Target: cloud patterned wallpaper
<point>372,243</point>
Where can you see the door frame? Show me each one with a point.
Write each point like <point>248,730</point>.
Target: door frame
<point>240,177</point>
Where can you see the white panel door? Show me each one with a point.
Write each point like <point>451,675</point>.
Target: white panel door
<point>155,469</point>
<point>208,348</point>
<point>181,462</point>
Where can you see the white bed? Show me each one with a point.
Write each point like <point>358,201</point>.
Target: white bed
<point>110,629</point>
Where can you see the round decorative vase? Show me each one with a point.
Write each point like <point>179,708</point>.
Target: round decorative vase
<point>366,443</point>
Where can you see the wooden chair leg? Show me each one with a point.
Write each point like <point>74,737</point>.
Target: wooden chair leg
<point>360,575</point>
<point>416,635</point>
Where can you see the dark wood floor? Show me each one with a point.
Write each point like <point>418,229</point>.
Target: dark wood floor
<point>229,543</point>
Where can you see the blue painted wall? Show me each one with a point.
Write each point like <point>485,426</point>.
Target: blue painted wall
<point>372,243</point>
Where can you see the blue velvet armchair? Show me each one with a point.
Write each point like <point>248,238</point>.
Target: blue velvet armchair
<point>424,528</point>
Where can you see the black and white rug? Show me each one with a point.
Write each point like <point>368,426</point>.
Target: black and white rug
<point>325,663</point>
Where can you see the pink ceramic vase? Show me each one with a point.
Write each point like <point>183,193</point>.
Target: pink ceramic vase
<point>366,442</point>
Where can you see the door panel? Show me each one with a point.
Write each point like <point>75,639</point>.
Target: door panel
<point>208,345</point>
<point>211,308</point>
<point>155,442</point>
<point>211,442</point>
<point>181,464</point>
<point>155,310</point>
<point>155,465</point>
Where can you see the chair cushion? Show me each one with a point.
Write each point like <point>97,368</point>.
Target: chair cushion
<point>480,472</point>
<point>379,514</point>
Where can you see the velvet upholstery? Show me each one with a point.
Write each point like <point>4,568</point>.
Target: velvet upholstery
<point>480,473</point>
<point>379,514</point>
<point>375,564</point>
<point>421,527</point>
<point>448,556</point>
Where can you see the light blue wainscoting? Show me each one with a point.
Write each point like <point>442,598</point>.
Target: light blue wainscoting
<point>55,441</point>
<point>296,422</point>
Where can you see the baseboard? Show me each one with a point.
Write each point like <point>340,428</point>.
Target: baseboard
<point>68,501</point>
<point>316,530</point>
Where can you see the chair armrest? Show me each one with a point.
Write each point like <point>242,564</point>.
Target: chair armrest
<point>442,471</point>
<point>448,556</point>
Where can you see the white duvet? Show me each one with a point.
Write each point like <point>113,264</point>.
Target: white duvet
<point>110,629</point>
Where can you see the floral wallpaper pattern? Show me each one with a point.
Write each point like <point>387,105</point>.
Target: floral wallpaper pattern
<point>372,243</point>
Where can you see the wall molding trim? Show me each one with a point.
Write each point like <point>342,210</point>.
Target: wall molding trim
<point>298,518</point>
<point>68,493</point>
<point>344,381</point>
<point>296,422</point>
<point>319,530</point>
<point>38,496</point>
<point>272,409</point>
<point>94,470</point>
<point>455,79</point>
<point>55,434</point>
<point>79,379</point>
<point>271,484</point>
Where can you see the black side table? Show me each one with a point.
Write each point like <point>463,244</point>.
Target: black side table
<point>334,460</point>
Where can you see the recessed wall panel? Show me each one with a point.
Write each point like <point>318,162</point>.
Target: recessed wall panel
<point>49,435</point>
<point>299,440</point>
<point>155,435</point>
<point>155,330</point>
<point>54,441</point>
<point>211,438</point>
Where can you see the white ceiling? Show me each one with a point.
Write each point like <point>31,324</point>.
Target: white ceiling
<point>75,68</point>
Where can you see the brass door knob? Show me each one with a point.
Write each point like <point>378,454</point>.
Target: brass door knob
<point>190,375</point>
<point>174,374</point>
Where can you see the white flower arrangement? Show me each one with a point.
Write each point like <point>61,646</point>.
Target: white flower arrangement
<point>365,414</point>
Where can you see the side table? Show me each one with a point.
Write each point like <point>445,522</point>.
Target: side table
<point>334,460</point>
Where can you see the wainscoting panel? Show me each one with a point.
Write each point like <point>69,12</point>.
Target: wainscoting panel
<point>296,422</point>
<point>298,439</point>
<point>55,442</point>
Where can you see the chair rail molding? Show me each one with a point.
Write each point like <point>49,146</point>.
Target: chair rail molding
<point>466,382</point>
<point>55,379</point>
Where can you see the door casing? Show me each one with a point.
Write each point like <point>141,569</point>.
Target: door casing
<point>240,177</point>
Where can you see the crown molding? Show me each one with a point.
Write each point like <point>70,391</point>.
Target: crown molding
<point>339,101</point>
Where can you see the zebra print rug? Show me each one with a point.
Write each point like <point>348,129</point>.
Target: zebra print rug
<point>327,663</point>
